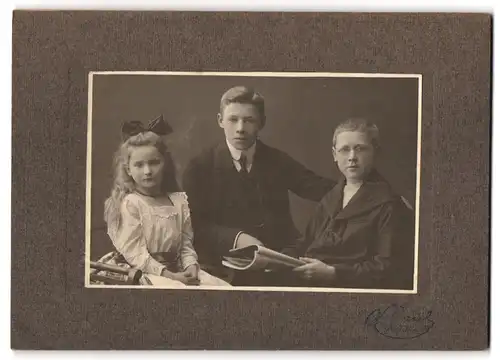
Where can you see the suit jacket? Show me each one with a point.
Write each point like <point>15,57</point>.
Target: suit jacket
<point>370,242</point>
<point>218,211</point>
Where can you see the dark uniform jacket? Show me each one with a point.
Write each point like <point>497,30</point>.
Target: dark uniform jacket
<point>370,242</point>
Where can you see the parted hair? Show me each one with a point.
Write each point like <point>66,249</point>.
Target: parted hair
<point>360,125</point>
<point>244,95</point>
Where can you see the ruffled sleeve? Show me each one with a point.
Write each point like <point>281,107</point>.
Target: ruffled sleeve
<point>188,253</point>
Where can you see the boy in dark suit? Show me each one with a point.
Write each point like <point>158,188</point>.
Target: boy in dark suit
<point>238,190</point>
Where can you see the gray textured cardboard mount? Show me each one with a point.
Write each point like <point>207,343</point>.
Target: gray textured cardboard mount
<point>52,55</point>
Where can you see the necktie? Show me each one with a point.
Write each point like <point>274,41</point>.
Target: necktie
<point>243,164</point>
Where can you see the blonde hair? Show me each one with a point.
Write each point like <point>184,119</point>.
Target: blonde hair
<point>124,184</point>
<point>360,125</point>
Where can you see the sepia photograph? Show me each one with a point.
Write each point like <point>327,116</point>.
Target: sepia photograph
<point>253,181</point>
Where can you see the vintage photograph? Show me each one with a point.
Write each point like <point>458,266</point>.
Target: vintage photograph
<point>253,181</point>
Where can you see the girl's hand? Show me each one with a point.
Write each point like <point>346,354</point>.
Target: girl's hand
<point>188,277</point>
<point>192,271</point>
<point>174,276</point>
<point>315,270</point>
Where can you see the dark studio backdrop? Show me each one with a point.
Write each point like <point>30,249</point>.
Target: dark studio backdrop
<point>301,116</point>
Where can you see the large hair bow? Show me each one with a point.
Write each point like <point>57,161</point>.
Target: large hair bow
<point>158,126</point>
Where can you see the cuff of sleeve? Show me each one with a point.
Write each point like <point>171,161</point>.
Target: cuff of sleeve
<point>236,239</point>
<point>343,271</point>
<point>188,261</point>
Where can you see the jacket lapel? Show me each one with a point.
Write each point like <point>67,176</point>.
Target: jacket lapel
<point>374,192</point>
<point>222,158</point>
<point>259,158</point>
<point>333,200</point>
<point>225,191</point>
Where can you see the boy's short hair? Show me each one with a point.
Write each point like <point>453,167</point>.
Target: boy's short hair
<point>244,95</point>
<point>361,125</point>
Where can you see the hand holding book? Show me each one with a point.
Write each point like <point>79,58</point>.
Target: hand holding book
<point>315,269</point>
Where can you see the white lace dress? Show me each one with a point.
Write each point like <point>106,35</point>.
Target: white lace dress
<point>154,234</point>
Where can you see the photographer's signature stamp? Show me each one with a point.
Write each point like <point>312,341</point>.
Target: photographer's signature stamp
<point>399,322</point>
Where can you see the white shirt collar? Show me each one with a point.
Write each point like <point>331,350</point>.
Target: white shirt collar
<point>236,154</point>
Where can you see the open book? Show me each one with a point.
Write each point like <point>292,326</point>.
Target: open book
<point>255,257</point>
